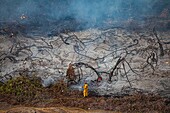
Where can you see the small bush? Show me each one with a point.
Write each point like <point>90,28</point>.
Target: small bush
<point>60,87</point>
<point>24,88</point>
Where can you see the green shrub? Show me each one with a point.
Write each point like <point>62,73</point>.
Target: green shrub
<point>24,88</point>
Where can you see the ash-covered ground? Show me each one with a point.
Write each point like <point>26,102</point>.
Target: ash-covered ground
<point>132,58</point>
<point>49,49</point>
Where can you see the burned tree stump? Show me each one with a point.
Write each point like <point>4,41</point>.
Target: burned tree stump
<point>70,74</point>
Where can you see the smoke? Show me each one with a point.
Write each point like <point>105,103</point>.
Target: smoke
<point>90,11</point>
<point>47,82</point>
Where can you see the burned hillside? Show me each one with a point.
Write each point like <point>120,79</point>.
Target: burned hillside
<point>119,50</point>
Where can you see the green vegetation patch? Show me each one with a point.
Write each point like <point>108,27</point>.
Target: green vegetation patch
<point>22,87</point>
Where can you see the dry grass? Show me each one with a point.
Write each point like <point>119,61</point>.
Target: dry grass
<point>60,95</point>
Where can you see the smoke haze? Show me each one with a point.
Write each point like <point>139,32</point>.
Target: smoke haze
<point>89,11</point>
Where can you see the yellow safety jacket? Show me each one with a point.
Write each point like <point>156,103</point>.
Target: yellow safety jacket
<point>85,92</point>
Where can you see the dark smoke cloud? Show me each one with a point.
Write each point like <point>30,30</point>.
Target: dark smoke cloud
<point>90,11</point>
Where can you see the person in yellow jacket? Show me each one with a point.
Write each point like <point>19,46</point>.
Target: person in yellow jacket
<point>85,91</point>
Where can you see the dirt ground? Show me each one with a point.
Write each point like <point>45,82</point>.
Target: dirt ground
<point>73,102</point>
